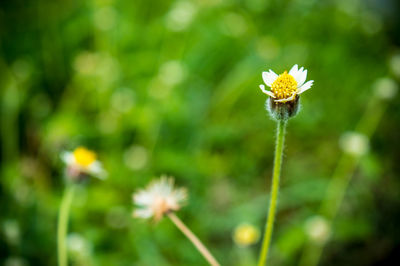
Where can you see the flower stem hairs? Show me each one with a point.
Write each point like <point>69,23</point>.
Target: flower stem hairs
<point>282,104</point>
<point>160,198</point>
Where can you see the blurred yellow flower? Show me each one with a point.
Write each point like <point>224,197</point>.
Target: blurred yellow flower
<point>84,157</point>
<point>83,161</point>
<point>246,234</point>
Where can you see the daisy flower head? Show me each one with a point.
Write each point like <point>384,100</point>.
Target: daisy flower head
<point>158,198</point>
<point>285,90</point>
<point>81,162</point>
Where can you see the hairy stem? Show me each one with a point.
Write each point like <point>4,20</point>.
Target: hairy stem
<point>274,192</point>
<point>62,226</point>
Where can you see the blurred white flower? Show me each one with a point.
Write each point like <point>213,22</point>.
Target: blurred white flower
<point>286,86</point>
<point>354,143</point>
<point>78,245</point>
<point>159,198</point>
<point>385,88</point>
<point>181,16</point>
<point>318,229</point>
<point>172,72</point>
<point>83,161</point>
<point>11,232</point>
<point>246,234</point>
<point>76,242</point>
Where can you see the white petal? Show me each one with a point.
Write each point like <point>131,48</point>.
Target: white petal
<point>179,195</point>
<point>301,78</point>
<point>159,197</point>
<point>269,77</point>
<point>293,71</point>
<point>305,86</point>
<point>291,98</point>
<point>96,169</point>
<point>142,198</point>
<point>143,213</point>
<point>269,93</point>
<point>67,157</point>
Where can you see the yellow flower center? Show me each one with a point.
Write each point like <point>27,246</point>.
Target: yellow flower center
<point>284,86</point>
<point>246,235</point>
<point>84,157</point>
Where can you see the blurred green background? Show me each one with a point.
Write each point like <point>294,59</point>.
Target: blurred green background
<point>172,87</point>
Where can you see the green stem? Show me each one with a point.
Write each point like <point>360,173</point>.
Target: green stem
<point>340,180</point>
<point>274,192</point>
<point>62,227</point>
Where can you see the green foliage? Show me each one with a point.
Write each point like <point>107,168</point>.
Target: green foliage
<point>171,88</point>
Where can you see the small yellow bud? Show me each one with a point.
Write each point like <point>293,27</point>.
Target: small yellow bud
<point>246,234</point>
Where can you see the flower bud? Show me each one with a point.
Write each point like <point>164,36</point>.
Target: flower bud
<point>283,110</point>
<point>246,235</point>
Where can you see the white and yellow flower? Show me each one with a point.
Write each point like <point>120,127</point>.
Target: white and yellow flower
<point>83,161</point>
<point>159,198</point>
<point>286,86</point>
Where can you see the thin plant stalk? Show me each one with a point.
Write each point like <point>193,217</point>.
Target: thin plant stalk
<point>193,238</point>
<point>274,192</point>
<point>340,180</point>
<point>62,226</point>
